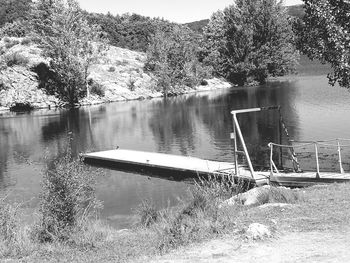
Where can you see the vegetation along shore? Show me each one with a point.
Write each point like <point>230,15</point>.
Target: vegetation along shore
<point>54,54</point>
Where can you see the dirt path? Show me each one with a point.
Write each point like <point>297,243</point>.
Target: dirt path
<point>291,247</point>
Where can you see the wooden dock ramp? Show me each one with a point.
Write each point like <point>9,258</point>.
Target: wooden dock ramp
<point>169,163</point>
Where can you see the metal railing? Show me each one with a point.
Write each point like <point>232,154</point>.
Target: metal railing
<point>237,131</point>
<point>302,144</point>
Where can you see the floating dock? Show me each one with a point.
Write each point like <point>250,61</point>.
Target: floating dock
<point>169,164</point>
<point>179,167</point>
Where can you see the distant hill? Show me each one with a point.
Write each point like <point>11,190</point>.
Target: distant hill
<point>197,26</point>
<point>296,10</point>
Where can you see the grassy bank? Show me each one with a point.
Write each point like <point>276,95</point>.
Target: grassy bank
<point>200,217</point>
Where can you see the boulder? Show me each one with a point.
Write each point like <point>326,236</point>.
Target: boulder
<point>258,231</point>
<point>254,196</point>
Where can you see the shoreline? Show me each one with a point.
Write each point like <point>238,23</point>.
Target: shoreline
<point>213,84</point>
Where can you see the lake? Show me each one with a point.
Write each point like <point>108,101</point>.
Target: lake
<point>197,124</point>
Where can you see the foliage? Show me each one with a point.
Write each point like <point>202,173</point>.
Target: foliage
<point>250,40</point>
<point>172,56</point>
<point>130,31</point>
<point>17,28</point>
<point>13,10</point>
<point>148,213</point>
<point>71,44</point>
<point>15,58</point>
<point>66,201</point>
<point>325,35</point>
<point>96,88</point>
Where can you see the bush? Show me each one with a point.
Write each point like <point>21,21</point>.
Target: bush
<point>10,44</point>
<point>200,217</point>
<point>14,29</point>
<point>97,88</point>
<point>26,41</point>
<point>7,40</point>
<point>131,83</point>
<point>67,199</point>
<point>111,69</point>
<point>15,58</point>
<point>148,213</point>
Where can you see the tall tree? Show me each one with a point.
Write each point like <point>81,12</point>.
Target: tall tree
<point>71,44</point>
<point>172,56</point>
<point>325,35</point>
<point>251,40</point>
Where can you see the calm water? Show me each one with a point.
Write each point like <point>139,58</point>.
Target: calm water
<point>195,125</point>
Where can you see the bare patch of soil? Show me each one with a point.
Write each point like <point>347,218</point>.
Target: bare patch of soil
<point>316,246</point>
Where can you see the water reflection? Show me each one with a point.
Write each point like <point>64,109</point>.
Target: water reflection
<point>195,124</point>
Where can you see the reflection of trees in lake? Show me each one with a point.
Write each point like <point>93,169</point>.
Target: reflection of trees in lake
<point>4,151</point>
<point>178,122</point>
<point>172,123</point>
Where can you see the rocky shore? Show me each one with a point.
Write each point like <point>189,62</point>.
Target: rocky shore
<point>119,76</point>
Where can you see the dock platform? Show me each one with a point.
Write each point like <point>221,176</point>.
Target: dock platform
<point>176,165</point>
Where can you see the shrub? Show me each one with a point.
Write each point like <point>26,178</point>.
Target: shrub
<point>96,88</point>
<point>67,199</point>
<point>204,82</point>
<point>16,58</point>
<point>131,83</point>
<point>7,40</point>
<point>10,44</point>
<point>201,216</point>
<point>25,41</point>
<point>148,213</point>
<point>111,69</point>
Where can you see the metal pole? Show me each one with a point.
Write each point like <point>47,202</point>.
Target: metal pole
<point>340,163</point>
<point>235,146</point>
<point>243,144</point>
<point>271,155</point>
<point>280,137</point>
<point>317,164</point>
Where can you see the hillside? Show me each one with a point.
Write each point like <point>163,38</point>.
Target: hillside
<point>197,26</point>
<point>118,76</point>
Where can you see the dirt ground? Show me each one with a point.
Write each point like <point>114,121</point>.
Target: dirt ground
<point>289,247</point>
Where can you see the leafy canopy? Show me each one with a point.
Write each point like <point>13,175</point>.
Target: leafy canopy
<point>325,35</point>
<point>172,56</point>
<point>250,40</point>
<point>71,44</point>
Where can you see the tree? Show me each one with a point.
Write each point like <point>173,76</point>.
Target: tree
<point>325,35</point>
<point>250,40</point>
<point>71,45</point>
<point>172,56</point>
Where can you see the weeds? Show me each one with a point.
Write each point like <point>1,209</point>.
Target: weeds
<point>67,200</point>
<point>16,58</point>
<point>14,239</point>
<point>148,213</point>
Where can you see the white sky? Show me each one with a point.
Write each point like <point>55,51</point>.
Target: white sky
<point>181,11</point>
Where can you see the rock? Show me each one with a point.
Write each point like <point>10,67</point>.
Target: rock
<point>258,231</point>
<point>254,196</point>
<point>280,205</point>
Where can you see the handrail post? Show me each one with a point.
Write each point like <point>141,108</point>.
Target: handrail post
<point>235,146</point>
<point>271,160</point>
<point>317,163</point>
<point>244,145</point>
<point>340,162</point>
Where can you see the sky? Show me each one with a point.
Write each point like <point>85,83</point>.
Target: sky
<point>180,11</point>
